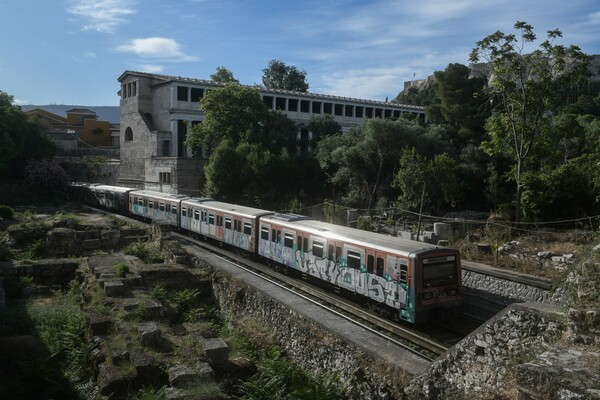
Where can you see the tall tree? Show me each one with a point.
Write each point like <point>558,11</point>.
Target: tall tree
<point>223,75</point>
<point>278,75</point>
<point>323,125</point>
<point>21,140</point>
<point>523,88</point>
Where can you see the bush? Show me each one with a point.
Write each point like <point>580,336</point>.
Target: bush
<point>121,270</point>
<point>149,253</point>
<point>47,179</point>
<point>6,212</point>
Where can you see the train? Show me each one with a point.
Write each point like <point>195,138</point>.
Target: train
<point>405,279</point>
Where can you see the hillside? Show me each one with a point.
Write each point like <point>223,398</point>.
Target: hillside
<point>105,113</point>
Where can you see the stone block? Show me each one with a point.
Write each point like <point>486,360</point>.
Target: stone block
<point>215,349</point>
<point>92,244</point>
<point>181,375</point>
<point>98,323</point>
<point>148,369</point>
<point>205,371</point>
<point>240,369</point>
<point>114,288</point>
<point>114,380</point>
<point>150,334</point>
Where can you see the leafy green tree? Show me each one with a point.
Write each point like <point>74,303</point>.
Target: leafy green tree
<point>224,172</point>
<point>523,90</point>
<point>21,140</point>
<point>223,75</point>
<point>237,114</point>
<point>461,104</point>
<point>424,182</point>
<point>323,125</point>
<point>363,160</point>
<point>278,75</point>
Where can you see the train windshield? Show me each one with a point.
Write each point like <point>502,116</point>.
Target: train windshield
<point>439,274</point>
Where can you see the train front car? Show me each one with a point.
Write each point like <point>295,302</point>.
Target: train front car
<point>436,283</point>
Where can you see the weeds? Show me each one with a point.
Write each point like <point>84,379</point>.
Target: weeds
<point>121,270</point>
<point>149,253</point>
<point>159,292</point>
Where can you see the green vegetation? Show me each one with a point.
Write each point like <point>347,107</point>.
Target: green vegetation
<point>22,140</point>
<point>278,75</point>
<point>6,212</point>
<point>121,270</point>
<point>148,252</point>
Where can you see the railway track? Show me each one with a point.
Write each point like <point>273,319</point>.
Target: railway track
<point>408,338</point>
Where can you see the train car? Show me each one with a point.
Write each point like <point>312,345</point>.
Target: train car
<point>407,279</point>
<point>107,197</point>
<point>230,224</point>
<point>156,206</point>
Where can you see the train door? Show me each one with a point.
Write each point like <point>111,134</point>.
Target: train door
<point>228,229</point>
<point>264,241</point>
<point>211,222</point>
<point>398,290</point>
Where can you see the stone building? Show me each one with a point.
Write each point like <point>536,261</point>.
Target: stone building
<point>156,111</point>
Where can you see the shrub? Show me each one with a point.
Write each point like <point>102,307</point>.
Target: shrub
<point>6,212</point>
<point>185,299</point>
<point>46,178</point>
<point>158,292</point>
<point>149,253</point>
<point>121,270</point>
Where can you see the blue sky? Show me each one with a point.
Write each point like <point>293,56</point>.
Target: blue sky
<point>73,51</point>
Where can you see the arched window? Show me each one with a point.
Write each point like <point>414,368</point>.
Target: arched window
<point>128,134</point>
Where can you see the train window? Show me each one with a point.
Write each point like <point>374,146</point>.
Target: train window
<point>174,210</point>
<point>403,273</point>
<point>150,204</point>
<point>353,259</point>
<point>305,240</point>
<point>211,219</point>
<point>168,207</point>
<point>161,206</point>
<point>247,228</point>
<point>264,233</point>
<point>184,211</point>
<point>330,252</point>
<point>300,244</point>
<point>338,253</point>
<point>145,202</point>
<point>288,240</point>
<point>197,215</point>
<point>380,266</point>
<point>317,249</point>
<point>278,236</point>
<point>141,202</point>
<point>227,223</point>
<point>370,264</point>
<point>273,237</point>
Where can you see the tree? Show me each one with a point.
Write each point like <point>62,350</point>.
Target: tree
<point>21,140</point>
<point>422,181</point>
<point>232,113</point>
<point>223,75</point>
<point>522,89</point>
<point>277,75</point>
<point>46,178</point>
<point>323,125</point>
<point>363,160</point>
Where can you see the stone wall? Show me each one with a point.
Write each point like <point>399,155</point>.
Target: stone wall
<point>483,365</point>
<point>509,290</point>
<point>306,343</point>
<point>96,172</point>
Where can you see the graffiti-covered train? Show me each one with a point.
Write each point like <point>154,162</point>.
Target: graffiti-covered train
<point>406,279</point>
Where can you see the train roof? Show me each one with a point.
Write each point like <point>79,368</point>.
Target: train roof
<point>354,236</point>
<point>159,195</point>
<point>236,209</point>
<point>116,189</point>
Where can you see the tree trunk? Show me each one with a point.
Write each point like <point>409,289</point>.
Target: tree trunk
<point>519,191</point>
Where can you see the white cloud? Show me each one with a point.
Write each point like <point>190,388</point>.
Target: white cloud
<point>156,48</point>
<point>101,15</point>
<point>153,69</point>
<point>19,102</point>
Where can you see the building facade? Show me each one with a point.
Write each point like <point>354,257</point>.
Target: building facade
<point>156,111</point>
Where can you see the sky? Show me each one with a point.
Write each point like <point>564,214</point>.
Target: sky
<point>73,51</point>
